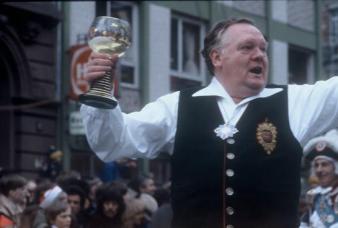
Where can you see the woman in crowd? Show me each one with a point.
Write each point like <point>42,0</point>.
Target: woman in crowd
<point>59,216</point>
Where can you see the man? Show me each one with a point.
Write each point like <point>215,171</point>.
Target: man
<point>322,153</point>
<point>143,184</point>
<point>13,195</point>
<point>110,207</point>
<point>235,145</point>
<point>143,188</point>
<point>77,199</point>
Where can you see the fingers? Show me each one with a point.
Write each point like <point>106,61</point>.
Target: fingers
<point>100,59</point>
<point>99,64</point>
<point>96,55</point>
<point>93,76</point>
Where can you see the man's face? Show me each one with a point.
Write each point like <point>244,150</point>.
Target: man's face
<point>19,195</point>
<point>241,64</point>
<point>325,171</point>
<point>110,208</point>
<point>148,187</point>
<point>75,203</point>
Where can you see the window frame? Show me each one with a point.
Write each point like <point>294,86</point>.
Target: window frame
<point>179,73</point>
<point>333,29</point>
<point>134,54</point>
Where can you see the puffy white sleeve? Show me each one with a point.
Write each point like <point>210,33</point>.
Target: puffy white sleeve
<point>304,225</point>
<point>113,135</point>
<point>313,109</point>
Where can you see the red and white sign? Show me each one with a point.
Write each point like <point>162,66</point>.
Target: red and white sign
<point>79,58</point>
<point>79,55</point>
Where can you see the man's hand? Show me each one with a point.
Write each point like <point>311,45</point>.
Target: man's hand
<point>99,64</point>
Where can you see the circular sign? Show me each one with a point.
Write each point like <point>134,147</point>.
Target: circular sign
<point>79,59</point>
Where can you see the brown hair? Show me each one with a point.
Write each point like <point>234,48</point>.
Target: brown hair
<point>53,211</point>
<point>11,182</point>
<point>213,39</point>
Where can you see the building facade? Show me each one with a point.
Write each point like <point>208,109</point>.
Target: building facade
<point>164,57</point>
<point>30,82</point>
<point>329,28</point>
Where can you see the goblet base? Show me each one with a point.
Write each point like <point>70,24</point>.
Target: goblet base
<point>98,101</point>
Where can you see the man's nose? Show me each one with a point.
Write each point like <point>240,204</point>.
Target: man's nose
<point>258,54</point>
<point>110,205</point>
<point>319,168</point>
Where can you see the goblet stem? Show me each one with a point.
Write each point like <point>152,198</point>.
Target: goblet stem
<point>100,93</point>
<point>102,86</point>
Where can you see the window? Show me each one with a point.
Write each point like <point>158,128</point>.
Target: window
<point>334,29</point>
<point>186,63</point>
<point>129,62</point>
<point>301,65</point>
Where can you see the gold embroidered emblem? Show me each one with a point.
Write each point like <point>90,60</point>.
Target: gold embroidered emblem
<point>266,135</point>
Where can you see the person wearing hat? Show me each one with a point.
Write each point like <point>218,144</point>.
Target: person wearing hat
<point>322,152</point>
<point>52,198</point>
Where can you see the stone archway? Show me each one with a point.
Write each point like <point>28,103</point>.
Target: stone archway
<point>14,82</point>
<point>29,102</point>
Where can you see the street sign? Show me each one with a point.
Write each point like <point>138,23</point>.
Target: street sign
<point>76,126</point>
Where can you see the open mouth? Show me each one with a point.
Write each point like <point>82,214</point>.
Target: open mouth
<point>256,70</point>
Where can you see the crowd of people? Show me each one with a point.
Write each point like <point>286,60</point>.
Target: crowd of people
<point>74,202</point>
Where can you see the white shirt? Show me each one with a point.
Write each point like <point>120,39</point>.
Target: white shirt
<point>313,110</point>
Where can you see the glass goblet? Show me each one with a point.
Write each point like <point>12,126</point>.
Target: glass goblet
<point>112,36</point>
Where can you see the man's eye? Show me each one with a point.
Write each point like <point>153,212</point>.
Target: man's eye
<point>247,47</point>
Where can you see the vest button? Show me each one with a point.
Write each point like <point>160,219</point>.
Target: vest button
<point>229,226</point>
<point>229,173</point>
<point>229,191</point>
<point>230,210</point>
<point>230,141</point>
<point>230,156</point>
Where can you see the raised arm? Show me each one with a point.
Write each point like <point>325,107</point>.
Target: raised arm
<point>313,109</point>
<point>112,134</point>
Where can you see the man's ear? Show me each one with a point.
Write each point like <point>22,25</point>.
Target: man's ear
<point>215,57</point>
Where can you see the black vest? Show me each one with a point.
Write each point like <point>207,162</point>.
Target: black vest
<point>253,189</point>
